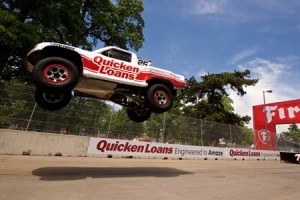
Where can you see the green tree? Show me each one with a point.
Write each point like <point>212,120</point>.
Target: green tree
<point>245,136</point>
<point>293,131</point>
<point>82,23</point>
<point>154,126</point>
<point>16,38</point>
<point>90,114</point>
<point>16,103</point>
<point>209,98</point>
<point>123,127</point>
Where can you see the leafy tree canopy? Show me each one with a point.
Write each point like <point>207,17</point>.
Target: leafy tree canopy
<point>82,23</point>
<point>209,98</point>
<point>293,131</point>
<point>85,23</point>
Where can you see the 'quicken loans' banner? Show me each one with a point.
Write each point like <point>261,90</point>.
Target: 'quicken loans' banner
<point>103,146</point>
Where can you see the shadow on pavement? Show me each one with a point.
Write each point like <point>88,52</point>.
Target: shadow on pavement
<point>77,173</point>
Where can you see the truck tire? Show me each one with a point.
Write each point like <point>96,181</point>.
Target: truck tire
<point>137,114</point>
<point>159,98</point>
<point>52,102</point>
<point>55,74</point>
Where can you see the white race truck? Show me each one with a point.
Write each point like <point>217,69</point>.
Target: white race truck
<point>109,73</point>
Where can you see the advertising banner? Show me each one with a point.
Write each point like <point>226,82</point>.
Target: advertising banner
<point>265,118</point>
<point>103,146</point>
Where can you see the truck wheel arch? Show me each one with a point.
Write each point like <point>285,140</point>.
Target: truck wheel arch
<point>70,55</point>
<point>165,82</point>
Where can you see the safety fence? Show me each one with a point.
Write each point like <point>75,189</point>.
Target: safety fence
<point>291,144</point>
<point>97,118</point>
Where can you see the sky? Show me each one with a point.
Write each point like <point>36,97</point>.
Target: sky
<point>196,37</point>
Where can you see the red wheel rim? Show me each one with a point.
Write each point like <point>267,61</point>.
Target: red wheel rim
<point>56,73</point>
<point>160,97</point>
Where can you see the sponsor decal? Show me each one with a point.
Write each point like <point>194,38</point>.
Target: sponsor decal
<point>115,68</point>
<point>243,153</point>
<point>271,154</point>
<point>285,112</point>
<point>143,62</point>
<point>264,136</point>
<point>215,153</point>
<point>104,145</point>
<point>297,157</point>
<point>184,152</point>
<point>62,45</point>
<point>282,112</point>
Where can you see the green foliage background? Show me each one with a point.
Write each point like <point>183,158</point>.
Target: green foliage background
<point>82,23</point>
<point>204,106</point>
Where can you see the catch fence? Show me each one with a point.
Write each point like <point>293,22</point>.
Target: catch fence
<point>92,117</point>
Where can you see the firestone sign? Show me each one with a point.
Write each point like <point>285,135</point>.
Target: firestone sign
<point>103,146</point>
<point>265,117</point>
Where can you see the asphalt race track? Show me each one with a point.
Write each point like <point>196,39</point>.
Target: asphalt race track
<point>71,178</point>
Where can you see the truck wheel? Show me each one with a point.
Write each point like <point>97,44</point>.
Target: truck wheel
<point>137,114</point>
<point>159,98</point>
<point>50,101</point>
<point>55,74</point>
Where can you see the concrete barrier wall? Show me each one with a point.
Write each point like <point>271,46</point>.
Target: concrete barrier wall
<point>35,143</point>
<point>16,142</point>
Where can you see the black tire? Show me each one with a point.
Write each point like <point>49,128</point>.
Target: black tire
<point>55,74</point>
<point>137,114</point>
<point>159,98</point>
<point>52,102</point>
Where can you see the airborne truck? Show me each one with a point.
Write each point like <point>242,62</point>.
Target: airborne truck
<point>109,73</point>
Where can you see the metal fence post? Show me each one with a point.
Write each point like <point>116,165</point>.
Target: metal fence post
<point>109,125</point>
<point>163,127</point>
<point>230,133</point>
<point>32,113</point>
<point>284,143</point>
<point>201,132</point>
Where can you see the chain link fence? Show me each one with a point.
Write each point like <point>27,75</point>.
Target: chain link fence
<point>96,118</point>
<point>285,143</point>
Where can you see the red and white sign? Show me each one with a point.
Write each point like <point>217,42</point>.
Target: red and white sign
<point>265,117</point>
<point>103,146</point>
